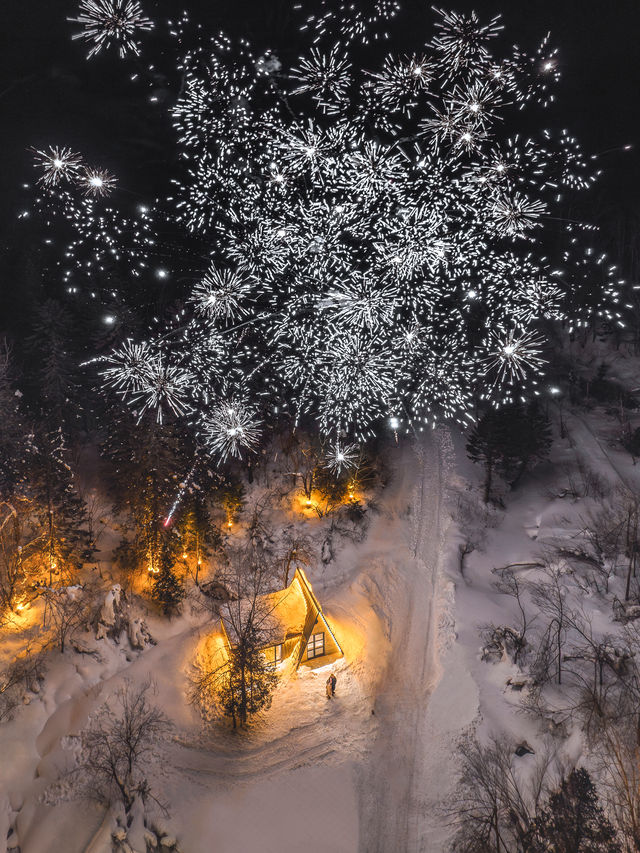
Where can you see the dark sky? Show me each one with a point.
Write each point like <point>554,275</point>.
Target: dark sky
<point>50,94</point>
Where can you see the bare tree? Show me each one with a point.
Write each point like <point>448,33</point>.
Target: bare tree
<point>510,585</point>
<point>24,673</point>
<point>303,454</point>
<point>66,609</point>
<point>260,535</point>
<point>619,756</point>
<point>494,810</point>
<point>119,747</point>
<point>297,550</point>
<point>21,543</point>
<point>550,595</point>
<point>11,563</point>
<point>243,683</point>
<point>597,671</point>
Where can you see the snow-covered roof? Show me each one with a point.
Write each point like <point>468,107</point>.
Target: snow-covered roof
<point>282,614</point>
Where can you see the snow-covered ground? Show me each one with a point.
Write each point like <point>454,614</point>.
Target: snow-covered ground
<point>355,773</point>
<point>372,769</point>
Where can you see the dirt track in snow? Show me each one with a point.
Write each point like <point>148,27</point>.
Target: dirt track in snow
<point>392,781</point>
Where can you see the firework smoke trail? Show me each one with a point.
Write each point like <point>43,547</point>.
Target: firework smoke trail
<point>183,487</point>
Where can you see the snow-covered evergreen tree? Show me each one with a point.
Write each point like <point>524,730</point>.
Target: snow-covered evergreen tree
<point>167,588</point>
<point>573,820</point>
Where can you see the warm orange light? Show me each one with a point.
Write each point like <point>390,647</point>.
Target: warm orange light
<point>184,556</point>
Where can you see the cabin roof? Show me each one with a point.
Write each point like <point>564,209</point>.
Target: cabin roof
<point>282,613</point>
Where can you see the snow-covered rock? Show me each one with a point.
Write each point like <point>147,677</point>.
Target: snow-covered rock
<point>111,602</point>
<point>138,633</point>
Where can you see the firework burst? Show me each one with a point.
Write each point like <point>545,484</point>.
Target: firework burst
<point>107,22</point>
<point>221,294</point>
<point>97,182</point>
<point>341,457</point>
<point>382,239</point>
<point>230,428</point>
<point>58,165</point>
<point>513,354</point>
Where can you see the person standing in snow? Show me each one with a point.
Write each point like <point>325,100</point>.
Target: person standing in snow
<point>332,681</point>
<point>329,690</point>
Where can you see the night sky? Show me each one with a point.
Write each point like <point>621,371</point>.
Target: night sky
<point>50,94</point>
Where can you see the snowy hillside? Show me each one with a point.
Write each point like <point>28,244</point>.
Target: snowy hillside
<point>415,600</point>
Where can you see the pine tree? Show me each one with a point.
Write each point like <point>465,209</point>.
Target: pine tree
<point>248,681</point>
<point>509,440</point>
<point>197,533</point>
<point>13,430</point>
<point>485,444</point>
<point>17,537</point>
<point>54,367</point>
<point>528,439</point>
<point>142,470</point>
<point>233,499</point>
<point>574,821</point>
<point>168,589</point>
<point>244,683</point>
<point>64,541</point>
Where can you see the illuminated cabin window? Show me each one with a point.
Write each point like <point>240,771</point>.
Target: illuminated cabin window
<point>315,646</point>
<point>273,654</point>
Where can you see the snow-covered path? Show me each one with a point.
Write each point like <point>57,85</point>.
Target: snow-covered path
<point>393,779</point>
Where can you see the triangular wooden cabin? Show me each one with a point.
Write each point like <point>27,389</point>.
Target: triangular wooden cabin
<point>299,628</point>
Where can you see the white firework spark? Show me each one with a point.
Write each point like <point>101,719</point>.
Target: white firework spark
<point>128,366</point>
<point>341,457</point>
<point>230,428</point>
<point>463,41</point>
<point>325,76</point>
<point>163,385</point>
<point>97,182</point>
<point>149,379</point>
<point>221,294</point>
<point>512,354</point>
<point>402,81</point>
<point>58,165</point>
<point>374,169</point>
<point>107,22</point>
<point>347,19</point>
<point>362,304</point>
<point>515,214</point>
<point>476,105</point>
<point>541,299</point>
